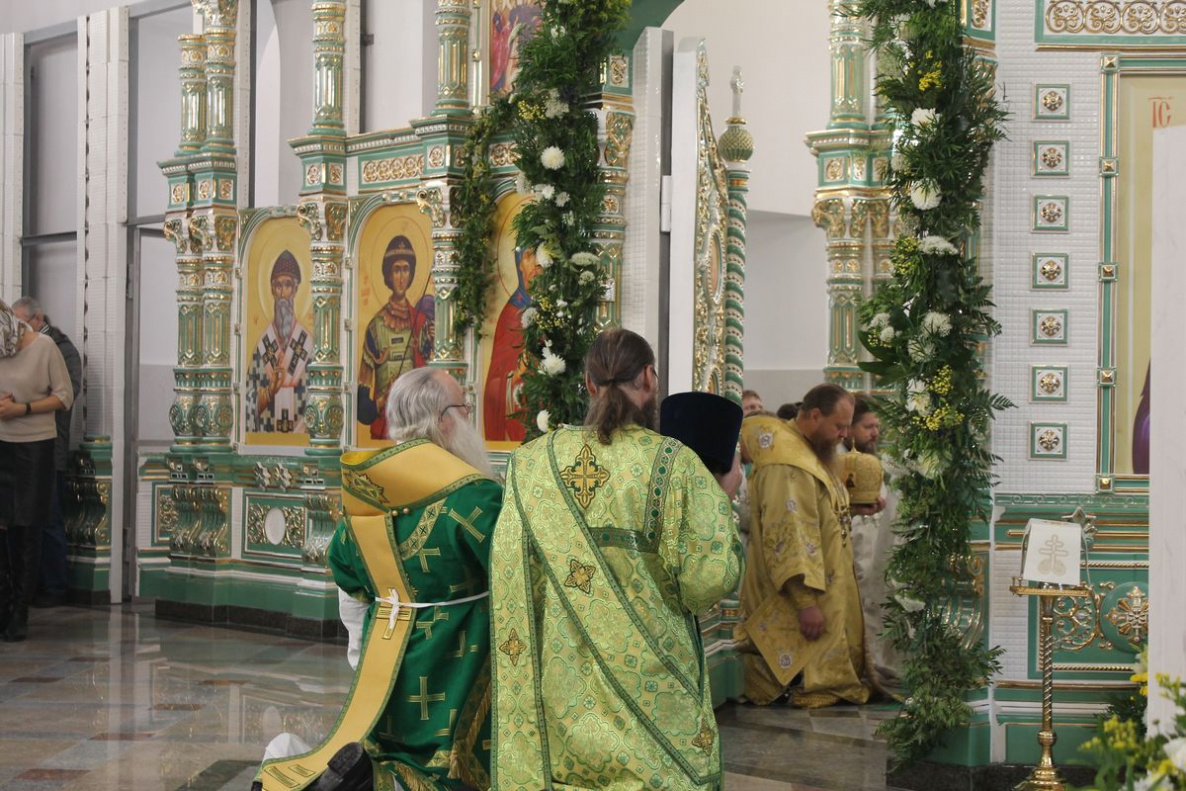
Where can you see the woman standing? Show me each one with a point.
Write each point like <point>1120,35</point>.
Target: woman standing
<point>34,383</point>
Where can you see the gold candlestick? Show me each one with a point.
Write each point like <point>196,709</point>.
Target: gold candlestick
<point>1044,776</point>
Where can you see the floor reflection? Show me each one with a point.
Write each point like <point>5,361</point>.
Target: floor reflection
<point>115,700</point>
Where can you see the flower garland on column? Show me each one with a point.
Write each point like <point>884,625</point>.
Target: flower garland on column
<point>556,140</point>
<point>557,144</point>
<point>923,329</point>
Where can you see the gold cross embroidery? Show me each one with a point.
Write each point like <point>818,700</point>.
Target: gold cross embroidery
<point>467,522</point>
<point>705,738</point>
<point>452,721</point>
<point>427,625</point>
<point>580,576</point>
<point>424,554</point>
<point>424,698</point>
<point>585,476</point>
<point>513,647</point>
<point>461,646</point>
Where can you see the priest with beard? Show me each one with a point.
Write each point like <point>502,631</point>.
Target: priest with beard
<point>803,636</point>
<point>276,375</point>
<point>413,549</point>
<point>612,540</point>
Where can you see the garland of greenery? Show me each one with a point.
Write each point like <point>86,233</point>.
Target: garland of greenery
<point>558,156</point>
<point>473,206</point>
<point>922,329</point>
<point>556,141</point>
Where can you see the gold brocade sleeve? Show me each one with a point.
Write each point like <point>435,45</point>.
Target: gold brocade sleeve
<point>787,504</point>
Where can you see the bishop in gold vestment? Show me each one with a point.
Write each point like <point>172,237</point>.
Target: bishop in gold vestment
<point>800,556</point>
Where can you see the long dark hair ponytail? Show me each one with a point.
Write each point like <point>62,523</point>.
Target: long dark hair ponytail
<point>616,360</point>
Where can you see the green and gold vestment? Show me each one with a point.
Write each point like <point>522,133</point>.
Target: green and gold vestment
<point>417,527</point>
<point>602,558</point>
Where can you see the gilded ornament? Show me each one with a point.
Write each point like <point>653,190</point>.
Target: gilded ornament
<point>1051,158</point>
<point>335,221</point>
<point>1051,269</point>
<point>585,476</point>
<point>1049,440</point>
<point>205,189</point>
<point>618,70</point>
<point>335,173</point>
<point>829,215</point>
<point>1112,17</point>
<point>174,233</point>
<point>981,12</point>
<point>1050,383</point>
<point>432,203</point>
<point>309,216</point>
<point>436,156</point>
<point>1050,212</point>
<point>619,132</point>
<point>224,231</point>
<point>502,154</point>
<point>858,169</point>
<point>180,193</point>
<point>313,175</point>
<point>1050,326</point>
<point>226,189</point>
<point>513,647</point>
<point>1053,100</point>
<point>580,576</point>
<point>1130,616</point>
<point>834,170</point>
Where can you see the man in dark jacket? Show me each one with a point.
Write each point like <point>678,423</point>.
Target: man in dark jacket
<point>54,580</point>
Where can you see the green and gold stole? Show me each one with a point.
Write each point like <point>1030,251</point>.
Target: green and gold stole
<point>376,484</point>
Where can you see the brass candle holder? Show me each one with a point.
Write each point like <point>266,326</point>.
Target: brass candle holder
<point>1044,776</point>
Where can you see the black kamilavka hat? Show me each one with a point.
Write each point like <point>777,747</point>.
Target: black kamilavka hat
<point>708,424</point>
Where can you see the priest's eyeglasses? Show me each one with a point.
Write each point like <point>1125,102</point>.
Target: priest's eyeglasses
<point>467,407</point>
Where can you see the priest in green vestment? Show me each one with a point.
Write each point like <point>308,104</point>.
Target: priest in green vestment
<point>612,539</point>
<point>800,596</point>
<point>415,546</point>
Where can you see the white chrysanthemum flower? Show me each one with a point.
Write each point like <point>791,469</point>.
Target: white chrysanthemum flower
<point>562,199</point>
<point>552,364</point>
<point>887,334</point>
<point>930,465</point>
<point>521,184</point>
<point>925,195</point>
<point>937,323</point>
<point>1175,750</point>
<point>569,218</point>
<point>918,399</point>
<point>879,321</point>
<point>936,245</point>
<point>587,276</point>
<point>562,303</point>
<point>920,350</point>
<point>542,420</point>
<point>543,257</point>
<point>553,106</point>
<point>584,259</point>
<point>552,158</point>
<point>527,317</point>
<point>898,162</point>
<point>909,604</point>
<point>545,191</point>
<point>923,117</point>
<point>1149,782</point>
<point>558,32</point>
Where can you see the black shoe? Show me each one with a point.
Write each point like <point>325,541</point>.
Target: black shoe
<point>18,625</point>
<point>348,770</point>
<point>257,786</point>
<point>45,600</point>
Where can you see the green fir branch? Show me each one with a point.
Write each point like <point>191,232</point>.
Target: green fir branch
<point>924,329</point>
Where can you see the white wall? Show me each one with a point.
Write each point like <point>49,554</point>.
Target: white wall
<point>158,337</point>
<point>294,21</point>
<point>155,94</point>
<point>782,49</point>
<point>786,306</point>
<point>51,104</point>
<point>399,66</point>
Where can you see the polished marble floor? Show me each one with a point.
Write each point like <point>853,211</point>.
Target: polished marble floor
<point>115,700</point>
